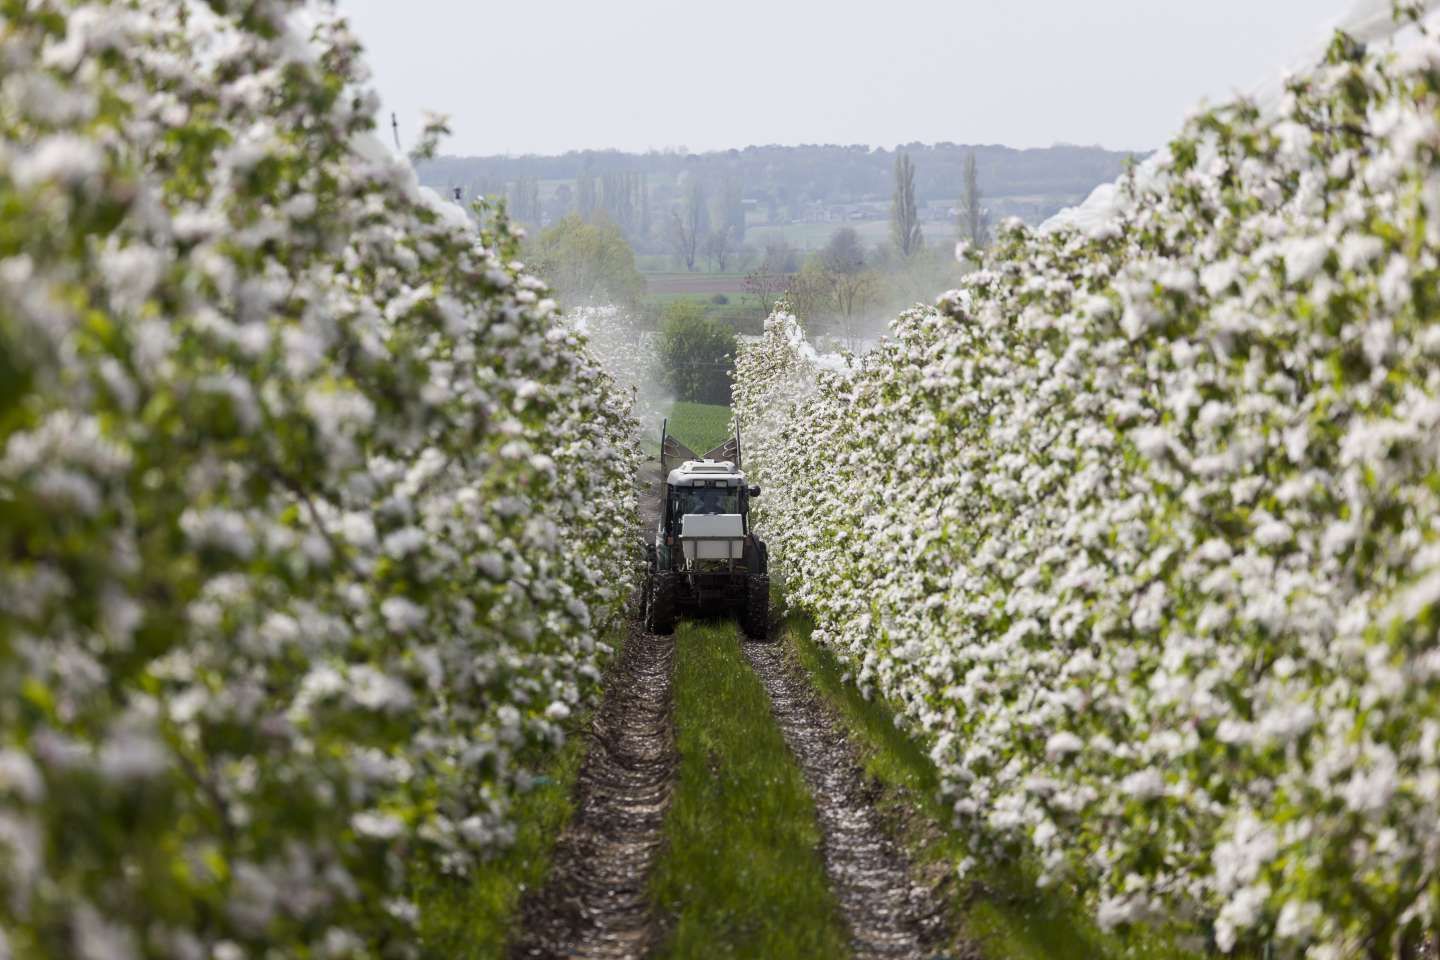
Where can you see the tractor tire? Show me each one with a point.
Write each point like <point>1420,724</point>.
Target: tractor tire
<point>660,605</point>
<point>756,617</point>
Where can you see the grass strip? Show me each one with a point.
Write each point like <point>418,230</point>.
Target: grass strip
<point>741,874</point>
<point>700,426</point>
<point>472,918</point>
<point>999,908</point>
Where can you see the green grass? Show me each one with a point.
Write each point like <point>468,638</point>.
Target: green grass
<point>741,874</point>
<point>657,303</point>
<point>743,312</point>
<point>999,909</point>
<point>736,302</point>
<point>700,426</point>
<point>472,918</point>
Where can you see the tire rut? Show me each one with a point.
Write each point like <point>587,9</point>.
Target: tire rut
<point>595,901</point>
<point>889,915</point>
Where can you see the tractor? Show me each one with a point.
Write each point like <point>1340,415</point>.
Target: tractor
<point>705,557</point>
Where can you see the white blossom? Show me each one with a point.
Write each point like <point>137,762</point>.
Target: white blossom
<point>1138,528</point>
<point>257,379</point>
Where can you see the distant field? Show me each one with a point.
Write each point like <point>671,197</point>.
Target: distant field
<point>707,283</point>
<point>739,309</point>
<point>802,236</point>
<point>700,426</point>
<point>654,262</point>
<point>813,236</point>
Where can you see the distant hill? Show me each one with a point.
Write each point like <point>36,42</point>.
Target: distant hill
<point>779,186</point>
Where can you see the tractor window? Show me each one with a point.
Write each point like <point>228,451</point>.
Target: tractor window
<point>707,500</point>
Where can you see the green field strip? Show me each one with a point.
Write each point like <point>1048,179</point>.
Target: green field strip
<point>740,875</point>
<point>700,426</point>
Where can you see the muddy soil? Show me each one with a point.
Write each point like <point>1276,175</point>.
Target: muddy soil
<point>889,913</point>
<point>594,904</point>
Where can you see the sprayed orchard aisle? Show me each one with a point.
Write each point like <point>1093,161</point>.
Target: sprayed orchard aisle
<point>720,810</point>
<point>770,843</point>
<point>742,875</point>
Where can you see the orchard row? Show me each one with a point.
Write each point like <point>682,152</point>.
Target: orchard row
<point>314,518</point>
<point>1141,527</point>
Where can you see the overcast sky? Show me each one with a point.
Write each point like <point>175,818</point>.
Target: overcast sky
<point>546,76</point>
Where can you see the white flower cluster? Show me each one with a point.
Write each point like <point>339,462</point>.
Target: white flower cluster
<point>313,515</point>
<point>1141,528</point>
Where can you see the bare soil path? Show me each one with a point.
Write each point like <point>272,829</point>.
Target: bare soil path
<point>595,903</point>
<point>889,915</point>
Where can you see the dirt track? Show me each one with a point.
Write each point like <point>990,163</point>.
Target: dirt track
<point>594,903</point>
<point>889,916</point>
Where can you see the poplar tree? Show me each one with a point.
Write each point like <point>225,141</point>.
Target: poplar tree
<point>904,218</point>
<point>585,194</point>
<point>642,203</point>
<point>973,221</point>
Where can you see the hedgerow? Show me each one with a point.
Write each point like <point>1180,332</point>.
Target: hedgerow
<point>313,516</point>
<point>1141,526</point>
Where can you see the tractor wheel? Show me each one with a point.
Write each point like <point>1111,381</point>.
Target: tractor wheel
<point>757,608</point>
<point>660,604</point>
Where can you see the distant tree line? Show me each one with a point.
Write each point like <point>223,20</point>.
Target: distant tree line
<point>779,181</point>
<point>844,291</point>
<point>705,222</point>
<point>697,208</point>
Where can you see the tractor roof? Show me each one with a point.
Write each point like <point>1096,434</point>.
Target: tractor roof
<point>704,472</point>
